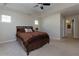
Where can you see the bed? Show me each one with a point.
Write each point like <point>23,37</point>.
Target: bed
<point>31,40</point>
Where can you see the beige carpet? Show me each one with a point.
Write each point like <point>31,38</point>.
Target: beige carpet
<point>55,48</point>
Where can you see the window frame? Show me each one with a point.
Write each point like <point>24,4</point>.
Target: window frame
<point>5,18</point>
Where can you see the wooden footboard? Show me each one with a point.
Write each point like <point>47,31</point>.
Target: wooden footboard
<point>33,45</point>
<point>37,44</point>
<point>21,43</point>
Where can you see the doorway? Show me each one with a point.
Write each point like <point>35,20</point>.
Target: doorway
<point>69,28</point>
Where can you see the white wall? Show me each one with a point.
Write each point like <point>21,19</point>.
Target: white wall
<point>76,26</point>
<point>62,25</point>
<point>8,30</point>
<point>51,25</point>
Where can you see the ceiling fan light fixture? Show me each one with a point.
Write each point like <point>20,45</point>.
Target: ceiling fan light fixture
<point>41,7</point>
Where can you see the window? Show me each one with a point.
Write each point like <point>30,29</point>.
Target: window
<point>36,22</point>
<point>6,18</point>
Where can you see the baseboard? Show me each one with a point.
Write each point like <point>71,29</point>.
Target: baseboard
<point>55,38</point>
<point>7,41</point>
<point>76,37</point>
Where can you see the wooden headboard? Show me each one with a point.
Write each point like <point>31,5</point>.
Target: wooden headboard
<point>22,28</point>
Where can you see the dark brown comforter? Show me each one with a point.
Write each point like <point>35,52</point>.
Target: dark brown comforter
<point>28,37</point>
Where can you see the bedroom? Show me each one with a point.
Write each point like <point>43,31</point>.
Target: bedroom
<point>27,14</point>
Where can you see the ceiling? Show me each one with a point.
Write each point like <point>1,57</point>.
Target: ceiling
<point>74,10</point>
<point>28,8</point>
<point>23,7</point>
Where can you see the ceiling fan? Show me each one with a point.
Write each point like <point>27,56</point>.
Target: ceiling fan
<point>41,5</point>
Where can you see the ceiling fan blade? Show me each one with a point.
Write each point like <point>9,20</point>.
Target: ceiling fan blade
<point>39,3</point>
<point>46,4</point>
<point>36,5</point>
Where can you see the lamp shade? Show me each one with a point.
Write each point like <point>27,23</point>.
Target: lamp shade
<point>36,22</point>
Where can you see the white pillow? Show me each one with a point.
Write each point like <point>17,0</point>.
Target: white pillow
<point>28,30</point>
